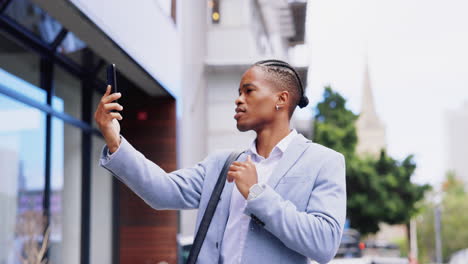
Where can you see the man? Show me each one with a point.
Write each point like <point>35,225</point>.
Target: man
<point>285,199</point>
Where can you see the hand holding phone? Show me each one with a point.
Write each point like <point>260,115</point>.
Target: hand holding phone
<point>107,114</point>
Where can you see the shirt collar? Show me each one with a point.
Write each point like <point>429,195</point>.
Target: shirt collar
<point>280,148</point>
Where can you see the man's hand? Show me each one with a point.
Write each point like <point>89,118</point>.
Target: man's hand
<point>107,120</point>
<point>244,174</point>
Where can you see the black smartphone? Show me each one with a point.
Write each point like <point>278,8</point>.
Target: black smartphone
<point>112,80</point>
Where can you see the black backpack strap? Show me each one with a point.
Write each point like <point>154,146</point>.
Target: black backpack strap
<point>210,209</point>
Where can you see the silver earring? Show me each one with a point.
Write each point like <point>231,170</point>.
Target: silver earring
<point>277,107</point>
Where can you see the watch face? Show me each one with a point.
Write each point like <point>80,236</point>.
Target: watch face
<point>256,190</point>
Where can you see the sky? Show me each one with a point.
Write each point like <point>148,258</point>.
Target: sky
<point>417,53</point>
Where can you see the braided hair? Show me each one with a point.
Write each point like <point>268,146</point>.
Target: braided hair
<point>285,73</point>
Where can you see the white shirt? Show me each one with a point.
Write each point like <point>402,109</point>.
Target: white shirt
<point>238,223</point>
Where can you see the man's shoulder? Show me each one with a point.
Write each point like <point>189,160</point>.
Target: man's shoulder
<point>220,156</point>
<point>321,152</point>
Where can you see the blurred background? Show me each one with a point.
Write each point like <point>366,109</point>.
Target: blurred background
<point>387,81</point>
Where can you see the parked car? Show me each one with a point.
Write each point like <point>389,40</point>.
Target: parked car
<point>350,246</point>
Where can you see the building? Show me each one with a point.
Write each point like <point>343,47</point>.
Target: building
<point>369,128</point>
<point>171,56</point>
<point>238,34</point>
<point>52,75</point>
<point>457,129</point>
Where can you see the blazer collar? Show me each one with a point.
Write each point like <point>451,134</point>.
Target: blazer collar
<point>290,156</point>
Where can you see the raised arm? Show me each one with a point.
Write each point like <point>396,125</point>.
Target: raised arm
<point>180,189</point>
<point>161,190</point>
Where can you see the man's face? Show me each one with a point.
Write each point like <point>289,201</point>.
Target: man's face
<point>256,102</point>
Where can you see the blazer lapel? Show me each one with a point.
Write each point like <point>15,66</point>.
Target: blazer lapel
<point>290,156</point>
<point>225,203</point>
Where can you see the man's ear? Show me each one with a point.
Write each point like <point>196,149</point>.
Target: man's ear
<point>283,99</point>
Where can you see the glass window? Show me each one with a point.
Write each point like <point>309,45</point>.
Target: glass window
<point>19,62</point>
<point>66,193</point>
<point>38,22</point>
<point>101,207</point>
<point>96,99</point>
<point>22,163</point>
<point>72,47</point>
<point>34,19</point>
<point>102,73</point>
<point>68,90</point>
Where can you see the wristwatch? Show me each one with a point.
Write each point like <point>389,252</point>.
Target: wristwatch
<point>255,191</point>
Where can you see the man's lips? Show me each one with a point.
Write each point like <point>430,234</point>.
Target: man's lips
<point>239,113</point>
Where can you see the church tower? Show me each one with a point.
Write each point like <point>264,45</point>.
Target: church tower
<point>370,130</point>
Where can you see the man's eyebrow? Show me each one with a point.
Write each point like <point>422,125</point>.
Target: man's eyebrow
<point>247,84</point>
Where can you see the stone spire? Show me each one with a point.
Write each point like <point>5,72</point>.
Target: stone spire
<point>367,104</point>
<point>370,130</point>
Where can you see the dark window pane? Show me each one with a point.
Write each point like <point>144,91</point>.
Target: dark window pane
<point>67,92</point>
<point>72,47</point>
<point>34,19</point>
<point>18,61</point>
<point>39,23</point>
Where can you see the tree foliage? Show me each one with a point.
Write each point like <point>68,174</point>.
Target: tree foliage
<point>454,217</point>
<point>378,190</point>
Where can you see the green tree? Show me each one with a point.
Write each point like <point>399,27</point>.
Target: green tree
<point>454,216</point>
<point>378,190</point>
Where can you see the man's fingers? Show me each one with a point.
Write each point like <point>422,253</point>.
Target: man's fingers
<point>234,168</point>
<point>113,106</point>
<point>238,164</point>
<point>231,176</point>
<point>110,98</point>
<point>108,90</point>
<point>117,116</point>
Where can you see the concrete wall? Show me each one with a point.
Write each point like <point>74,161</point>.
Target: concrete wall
<point>457,129</point>
<point>191,116</point>
<point>222,131</point>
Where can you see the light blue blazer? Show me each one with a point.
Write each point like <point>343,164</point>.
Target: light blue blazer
<point>299,215</point>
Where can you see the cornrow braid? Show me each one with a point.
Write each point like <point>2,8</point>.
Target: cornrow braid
<point>275,65</point>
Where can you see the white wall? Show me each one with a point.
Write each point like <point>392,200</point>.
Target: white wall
<point>457,129</point>
<point>235,39</point>
<point>209,92</point>
<point>191,117</point>
<point>145,32</point>
<point>222,131</point>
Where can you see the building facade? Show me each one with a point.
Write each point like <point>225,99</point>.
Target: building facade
<point>179,64</point>
<point>52,75</point>
<point>457,129</point>
<point>237,34</point>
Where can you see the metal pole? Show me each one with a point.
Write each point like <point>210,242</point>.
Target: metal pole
<point>413,241</point>
<point>438,240</point>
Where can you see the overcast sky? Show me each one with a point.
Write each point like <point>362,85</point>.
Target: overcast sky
<point>417,51</point>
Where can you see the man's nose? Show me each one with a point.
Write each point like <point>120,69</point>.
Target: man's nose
<point>239,100</point>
